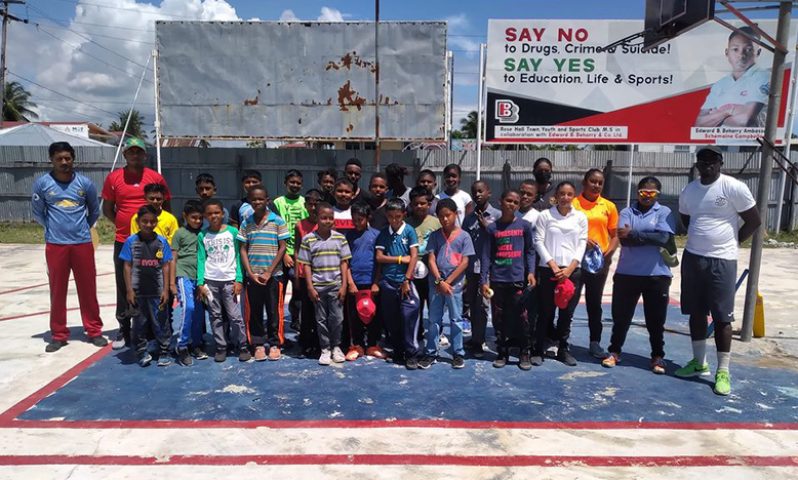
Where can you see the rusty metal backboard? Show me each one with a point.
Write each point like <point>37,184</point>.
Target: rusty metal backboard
<point>301,80</point>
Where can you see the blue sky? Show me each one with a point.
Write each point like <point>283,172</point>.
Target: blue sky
<point>93,50</point>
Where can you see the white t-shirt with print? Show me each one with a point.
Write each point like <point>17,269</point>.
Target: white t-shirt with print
<point>714,215</point>
<point>462,199</point>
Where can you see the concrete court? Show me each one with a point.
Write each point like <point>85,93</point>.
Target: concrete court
<point>68,415</point>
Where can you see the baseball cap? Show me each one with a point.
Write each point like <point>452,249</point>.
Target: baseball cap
<point>563,293</point>
<point>594,260</point>
<point>710,151</point>
<point>364,304</point>
<point>133,142</point>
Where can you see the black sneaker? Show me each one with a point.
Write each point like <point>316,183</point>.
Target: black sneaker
<point>98,341</point>
<point>458,362</point>
<point>184,358</point>
<point>199,353</point>
<point>565,357</point>
<point>426,362</point>
<point>501,359</point>
<point>55,346</point>
<point>244,355</point>
<point>145,359</point>
<point>120,342</point>
<point>221,356</point>
<point>164,360</point>
<point>411,363</point>
<point>524,362</point>
<point>536,360</point>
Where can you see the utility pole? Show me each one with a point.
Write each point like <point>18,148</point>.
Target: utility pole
<point>6,18</point>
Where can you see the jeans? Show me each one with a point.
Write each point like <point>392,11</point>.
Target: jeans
<point>223,302</point>
<point>454,304</point>
<point>189,316</point>
<point>329,317</point>
<point>475,309</point>
<point>148,315</point>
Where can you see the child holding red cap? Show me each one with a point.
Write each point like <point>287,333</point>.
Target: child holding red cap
<point>364,331</point>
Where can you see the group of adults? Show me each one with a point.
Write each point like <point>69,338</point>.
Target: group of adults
<point>66,204</point>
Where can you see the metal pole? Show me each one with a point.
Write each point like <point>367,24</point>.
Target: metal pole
<point>377,84</point>
<point>449,93</point>
<point>3,65</point>
<point>157,107</point>
<point>480,105</point>
<point>130,113</point>
<point>629,179</point>
<point>787,138</point>
<point>766,169</point>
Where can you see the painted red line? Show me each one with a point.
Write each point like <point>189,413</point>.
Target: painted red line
<point>453,460</point>
<point>45,312</point>
<point>14,290</point>
<point>16,410</point>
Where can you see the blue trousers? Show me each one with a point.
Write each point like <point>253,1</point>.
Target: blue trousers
<point>188,319</point>
<point>400,317</point>
<point>148,315</point>
<point>454,304</point>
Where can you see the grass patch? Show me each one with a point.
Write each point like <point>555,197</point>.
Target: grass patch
<point>33,233</point>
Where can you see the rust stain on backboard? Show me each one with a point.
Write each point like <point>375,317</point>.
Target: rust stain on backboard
<point>348,97</point>
<point>254,101</point>
<point>348,60</point>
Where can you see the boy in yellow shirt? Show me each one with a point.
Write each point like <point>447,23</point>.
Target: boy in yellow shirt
<point>154,194</point>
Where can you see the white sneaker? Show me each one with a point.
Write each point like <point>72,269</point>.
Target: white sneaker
<point>443,342</point>
<point>596,351</point>
<point>119,343</point>
<point>324,358</point>
<point>338,356</point>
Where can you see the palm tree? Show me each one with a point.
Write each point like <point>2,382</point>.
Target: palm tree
<point>468,125</point>
<point>136,127</point>
<point>17,106</point>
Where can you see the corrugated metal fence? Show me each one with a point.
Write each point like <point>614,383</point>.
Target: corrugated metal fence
<point>19,166</point>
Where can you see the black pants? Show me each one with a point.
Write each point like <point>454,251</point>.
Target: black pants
<point>547,309</point>
<point>475,309</point>
<point>308,337</point>
<point>294,305</point>
<point>269,296</point>
<point>509,315</point>
<point>362,335</point>
<point>594,289</point>
<point>122,309</point>
<point>626,291</point>
<point>422,287</point>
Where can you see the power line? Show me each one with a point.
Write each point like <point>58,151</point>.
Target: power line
<point>94,34</point>
<point>59,93</point>
<point>99,5</point>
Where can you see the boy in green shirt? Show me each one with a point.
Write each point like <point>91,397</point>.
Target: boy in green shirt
<point>291,207</point>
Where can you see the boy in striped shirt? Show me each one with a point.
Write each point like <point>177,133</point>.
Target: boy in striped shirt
<point>262,245</point>
<point>325,253</point>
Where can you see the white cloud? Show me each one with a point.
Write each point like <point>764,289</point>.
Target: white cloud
<point>330,15</point>
<point>288,16</point>
<point>458,21</point>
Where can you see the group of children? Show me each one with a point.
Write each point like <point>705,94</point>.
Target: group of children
<point>361,269</point>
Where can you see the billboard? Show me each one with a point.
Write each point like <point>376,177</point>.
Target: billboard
<point>549,81</point>
<point>301,80</point>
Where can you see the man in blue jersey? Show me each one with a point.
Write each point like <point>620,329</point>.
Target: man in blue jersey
<point>65,203</point>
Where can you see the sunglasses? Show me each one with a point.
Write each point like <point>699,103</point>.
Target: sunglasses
<point>644,193</point>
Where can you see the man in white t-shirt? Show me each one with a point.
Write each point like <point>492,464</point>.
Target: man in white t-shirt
<point>737,99</point>
<point>711,207</point>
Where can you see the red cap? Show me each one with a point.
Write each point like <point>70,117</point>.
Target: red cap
<point>563,293</point>
<point>366,309</point>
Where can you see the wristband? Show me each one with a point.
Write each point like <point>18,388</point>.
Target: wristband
<point>399,260</point>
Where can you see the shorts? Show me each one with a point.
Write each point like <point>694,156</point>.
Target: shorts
<point>708,286</point>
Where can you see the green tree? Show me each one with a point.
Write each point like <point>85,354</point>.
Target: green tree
<point>468,125</point>
<point>17,106</point>
<point>136,127</point>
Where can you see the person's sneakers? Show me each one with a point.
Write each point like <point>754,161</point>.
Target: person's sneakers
<point>536,360</point>
<point>501,359</point>
<point>458,361</point>
<point>565,357</point>
<point>98,341</point>
<point>119,343</point>
<point>260,353</point>
<point>722,383</point>
<point>199,353</point>
<point>145,359</point>
<point>466,327</point>
<point>244,355</point>
<point>221,356</point>
<point>692,369</point>
<point>658,365</point>
<point>478,350</point>
<point>184,358</point>
<point>443,342</point>
<point>355,352</point>
<point>275,353</point>
<point>596,351</point>
<point>411,363</point>
<point>426,362</point>
<point>55,346</point>
<point>326,356</point>
<point>164,360</point>
<point>551,348</point>
<point>376,352</point>
<point>612,360</point>
<point>524,362</point>
<point>338,355</point>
